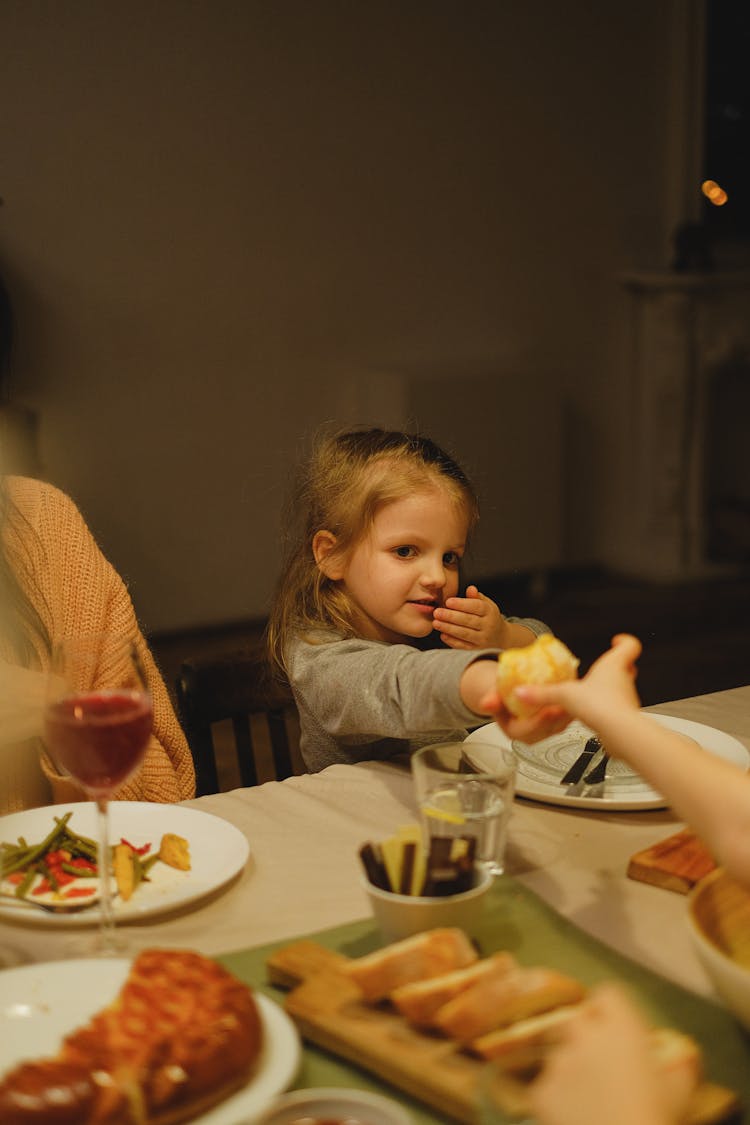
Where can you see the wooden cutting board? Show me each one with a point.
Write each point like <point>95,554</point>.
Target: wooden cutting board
<point>328,1010</point>
<point>676,864</point>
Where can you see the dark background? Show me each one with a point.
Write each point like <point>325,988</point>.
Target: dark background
<point>225,224</point>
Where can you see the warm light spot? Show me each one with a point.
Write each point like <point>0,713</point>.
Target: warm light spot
<point>714,193</point>
<point>78,712</point>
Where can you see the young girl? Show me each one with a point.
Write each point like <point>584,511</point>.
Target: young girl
<point>372,575</point>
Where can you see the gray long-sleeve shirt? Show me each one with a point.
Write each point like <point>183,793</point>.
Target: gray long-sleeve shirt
<point>360,699</point>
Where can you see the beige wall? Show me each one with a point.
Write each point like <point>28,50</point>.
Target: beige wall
<point>222,220</point>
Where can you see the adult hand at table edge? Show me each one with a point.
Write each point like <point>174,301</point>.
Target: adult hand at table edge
<point>604,1058</point>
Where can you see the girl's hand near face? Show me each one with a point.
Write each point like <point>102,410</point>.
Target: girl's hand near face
<point>477,622</point>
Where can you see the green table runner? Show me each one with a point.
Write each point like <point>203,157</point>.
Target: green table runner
<point>518,920</point>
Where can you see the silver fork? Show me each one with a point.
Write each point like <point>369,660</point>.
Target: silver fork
<point>595,778</point>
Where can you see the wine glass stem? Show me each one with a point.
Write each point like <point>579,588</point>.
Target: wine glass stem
<point>107,923</point>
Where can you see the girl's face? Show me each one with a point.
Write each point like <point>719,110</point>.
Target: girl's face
<point>406,566</point>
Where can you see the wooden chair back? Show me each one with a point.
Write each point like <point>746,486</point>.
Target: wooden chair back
<point>237,688</point>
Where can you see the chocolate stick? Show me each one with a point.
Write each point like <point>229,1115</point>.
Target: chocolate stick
<point>408,857</point>
<point>374,867</point>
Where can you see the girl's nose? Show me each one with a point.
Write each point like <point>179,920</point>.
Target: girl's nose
<point>433,575</point>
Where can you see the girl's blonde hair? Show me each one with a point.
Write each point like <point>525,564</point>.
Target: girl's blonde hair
<point>348,478</point>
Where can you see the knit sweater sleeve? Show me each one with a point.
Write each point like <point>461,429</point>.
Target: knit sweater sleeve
<point>82,594</point>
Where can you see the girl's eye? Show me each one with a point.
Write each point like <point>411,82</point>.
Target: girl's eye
<point>451,558</point>
<point>405,552</point>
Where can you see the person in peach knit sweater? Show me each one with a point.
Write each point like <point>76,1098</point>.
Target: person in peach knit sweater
<point>64,586</point>
<point>56,583</point>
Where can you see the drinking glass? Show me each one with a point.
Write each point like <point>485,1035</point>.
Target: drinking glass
<point>98,735</point>
<point>466,789</point>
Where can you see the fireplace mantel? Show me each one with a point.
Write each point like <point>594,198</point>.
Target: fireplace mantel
<point>683,328</point>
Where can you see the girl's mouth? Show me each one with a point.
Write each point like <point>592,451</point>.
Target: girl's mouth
<point>426,605</point>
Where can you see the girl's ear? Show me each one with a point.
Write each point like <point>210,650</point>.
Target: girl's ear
<point>324,547</point>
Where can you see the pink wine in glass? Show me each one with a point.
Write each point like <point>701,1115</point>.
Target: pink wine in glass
<point>99,737</point>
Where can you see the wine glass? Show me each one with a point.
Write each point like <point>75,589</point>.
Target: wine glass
<point>98,735</point>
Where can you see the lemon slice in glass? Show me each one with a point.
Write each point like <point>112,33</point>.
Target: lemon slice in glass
<point>445,807</point>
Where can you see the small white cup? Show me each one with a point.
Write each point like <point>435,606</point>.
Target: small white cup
<point>400,916</point>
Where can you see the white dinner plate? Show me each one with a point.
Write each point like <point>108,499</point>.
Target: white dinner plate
<point>218,851</point>
<point>42,1003</point>
<point>542,764</point>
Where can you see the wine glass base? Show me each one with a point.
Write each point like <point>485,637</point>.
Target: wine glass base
<point>101,945</point>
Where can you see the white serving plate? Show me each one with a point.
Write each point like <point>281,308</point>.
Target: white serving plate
<point>42,1003</point>
<point>542,764</point>
<point>218,852</point>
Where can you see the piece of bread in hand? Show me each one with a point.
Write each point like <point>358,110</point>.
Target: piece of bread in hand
<point>522,1046</point>
<point>546,661</point>
<point>673,1050</point>
<point>418,1002</point>
<point>425,955</point>
<point>503,1000</point>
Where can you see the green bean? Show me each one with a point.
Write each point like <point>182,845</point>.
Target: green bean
<point>25,884</point>
<point>148,863</point>
<point>39,850</point>
<point>137,869</point>
<point>81,872</point>
<point>48,874</point>
<point>13,850</point>
<point>82,844</point>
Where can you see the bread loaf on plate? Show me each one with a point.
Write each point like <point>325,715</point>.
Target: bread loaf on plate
<point>420,957</point>
<point>181,1035</point>
<point>546,661</point>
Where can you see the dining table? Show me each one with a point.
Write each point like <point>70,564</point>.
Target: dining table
<point>303,875</point>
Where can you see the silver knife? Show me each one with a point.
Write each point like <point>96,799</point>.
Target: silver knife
<point>597,775</point>
<point>582,762</point>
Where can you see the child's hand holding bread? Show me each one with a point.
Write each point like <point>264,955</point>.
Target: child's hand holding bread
<point>545,662</point>
<point>606,691</point>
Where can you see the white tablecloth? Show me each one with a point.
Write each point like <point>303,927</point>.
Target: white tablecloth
<point>304,874</point>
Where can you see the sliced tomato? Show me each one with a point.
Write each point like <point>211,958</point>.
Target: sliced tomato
<point>79,892</point>
<point>53,859</point>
